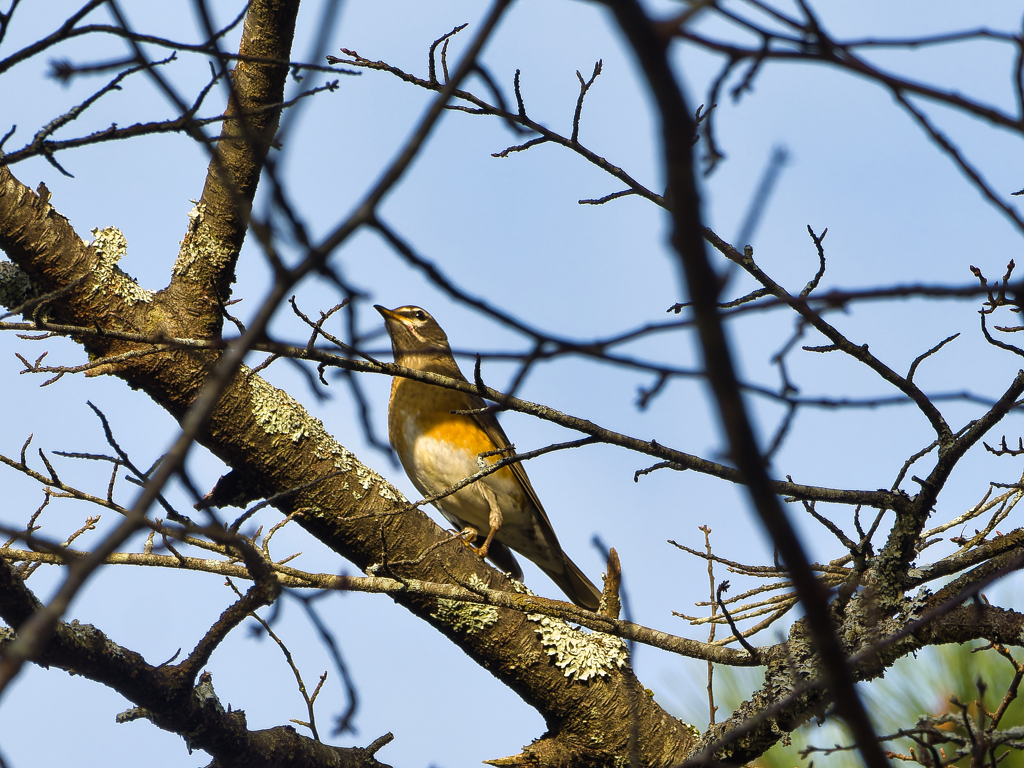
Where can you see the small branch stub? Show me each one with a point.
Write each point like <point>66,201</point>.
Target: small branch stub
<point>611,603</point>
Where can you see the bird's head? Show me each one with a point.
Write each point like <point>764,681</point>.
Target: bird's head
<point>415,335</point>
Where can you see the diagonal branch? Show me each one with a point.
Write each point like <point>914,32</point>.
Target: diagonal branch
<point>703,287</point>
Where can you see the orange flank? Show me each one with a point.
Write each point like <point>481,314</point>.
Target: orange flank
<point>435,420</point>
<point>467,437</point>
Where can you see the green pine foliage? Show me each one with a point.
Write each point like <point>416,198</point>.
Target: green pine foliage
<point>913,688</point>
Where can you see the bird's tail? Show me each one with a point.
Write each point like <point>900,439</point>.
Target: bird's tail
<point>502,558</point>
<point>576,586</point>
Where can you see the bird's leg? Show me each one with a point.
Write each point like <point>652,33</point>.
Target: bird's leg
<point>494,519</point>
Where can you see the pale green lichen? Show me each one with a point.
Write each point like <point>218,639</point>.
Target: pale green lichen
<point>200,247</point>
<point>206,695</point>
<point>133,714</point>
<point>110,245</point>
<point>577,653</point>
<point>15,286</point>
<point>280,414</point>
<point>469,618</point>
<point>784,737</point>
<point>519,587</point>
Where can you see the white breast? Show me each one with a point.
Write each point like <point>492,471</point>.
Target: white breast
<point>436,465</point>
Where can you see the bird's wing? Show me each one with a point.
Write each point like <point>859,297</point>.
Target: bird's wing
<point>488,422</point>
<point>570,578</point>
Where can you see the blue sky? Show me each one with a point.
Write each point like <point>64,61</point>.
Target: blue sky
<point>510,230</point>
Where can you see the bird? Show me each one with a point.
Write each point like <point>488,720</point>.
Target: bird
<point>442,435</point>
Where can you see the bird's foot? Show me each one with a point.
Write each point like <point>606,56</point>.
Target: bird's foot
<point>469,535</point>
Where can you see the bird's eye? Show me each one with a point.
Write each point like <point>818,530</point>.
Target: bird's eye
<point>420,315</point>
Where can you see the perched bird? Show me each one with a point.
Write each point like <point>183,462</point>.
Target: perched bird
<point>439,448</point>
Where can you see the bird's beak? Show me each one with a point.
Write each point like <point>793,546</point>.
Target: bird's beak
<point>393,321</point>
<point>387,314</point>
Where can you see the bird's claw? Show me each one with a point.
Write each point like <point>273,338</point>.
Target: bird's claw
<point>469,535</point>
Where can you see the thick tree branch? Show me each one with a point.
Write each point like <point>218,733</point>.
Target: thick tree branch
<point>166,693</point>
